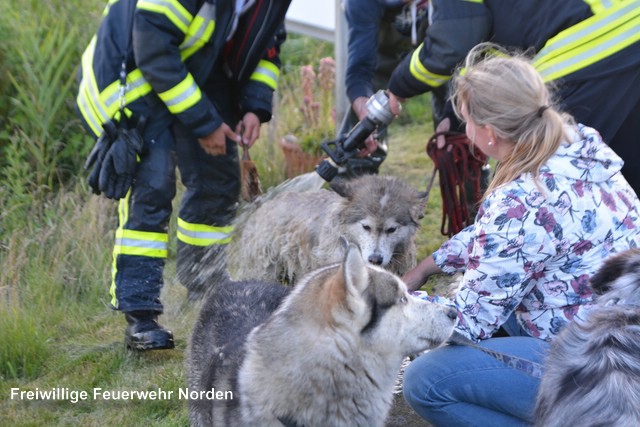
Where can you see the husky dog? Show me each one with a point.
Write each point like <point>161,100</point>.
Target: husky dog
<point>592,374</point>
<point>324,353</point>
<point>296,232</point>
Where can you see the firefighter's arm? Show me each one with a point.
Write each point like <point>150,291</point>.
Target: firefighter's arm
<point>159,29</point>
<point>456,26</point>
<point>363,19</point>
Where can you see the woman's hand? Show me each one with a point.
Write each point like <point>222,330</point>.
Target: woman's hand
<point>417,277</point>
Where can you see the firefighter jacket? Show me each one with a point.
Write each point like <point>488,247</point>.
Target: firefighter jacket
<point>170,48</point>
<point>573,40</point>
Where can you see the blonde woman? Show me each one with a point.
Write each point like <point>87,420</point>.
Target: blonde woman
<point>555,209</point>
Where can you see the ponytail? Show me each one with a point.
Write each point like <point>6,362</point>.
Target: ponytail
<point>507,93</point>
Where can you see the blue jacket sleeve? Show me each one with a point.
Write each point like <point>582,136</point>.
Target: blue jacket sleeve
<point>363,19</point>
<point>156,48</point>
<point>456,26</point>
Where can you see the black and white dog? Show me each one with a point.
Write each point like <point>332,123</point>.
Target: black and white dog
<point>592,374</point>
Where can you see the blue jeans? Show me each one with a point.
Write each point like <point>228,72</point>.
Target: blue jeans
<point>462,386</point>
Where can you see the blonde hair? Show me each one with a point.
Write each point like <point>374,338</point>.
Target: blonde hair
<point>507,93</point>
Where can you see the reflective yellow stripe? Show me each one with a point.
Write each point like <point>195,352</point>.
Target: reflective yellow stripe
<point>141,243</point>
<point>182,96</point>
<point>422,74</point>
<point>267,73</point>
<point>199,31</point>
<point>203,235</point>
<point>135,242</point>
<point>98,107</point>
<point>89,103</point>
<point>172,9</point>
<point>475,1</point>
<point>123,214</point>
<point>590,41</point>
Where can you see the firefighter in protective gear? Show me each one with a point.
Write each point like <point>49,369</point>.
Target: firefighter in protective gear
<point>198,71</point>
<point>590,49</point>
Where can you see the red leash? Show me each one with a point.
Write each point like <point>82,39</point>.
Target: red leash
<point>458,168</point>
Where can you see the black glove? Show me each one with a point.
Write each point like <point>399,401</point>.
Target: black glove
<point>119,163</point>
<point>99,152</point>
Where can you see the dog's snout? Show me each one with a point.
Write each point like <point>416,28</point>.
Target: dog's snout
<point>375,259</point>
<point>452,313</point>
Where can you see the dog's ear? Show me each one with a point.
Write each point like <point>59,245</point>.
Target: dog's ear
<point>354,267</point>
<point>613,268</point>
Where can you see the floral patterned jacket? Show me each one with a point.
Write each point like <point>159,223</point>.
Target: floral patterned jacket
<point>531,253</point>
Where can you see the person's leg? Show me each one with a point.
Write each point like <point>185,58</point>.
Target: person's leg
<point>206,214</point>
<point>141,242</point>
<point>462,386</point>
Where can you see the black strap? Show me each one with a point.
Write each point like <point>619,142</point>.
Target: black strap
<point>127,48</point>
<point>527,366</point>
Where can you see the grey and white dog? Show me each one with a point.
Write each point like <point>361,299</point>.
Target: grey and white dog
<point>296,232</point>
<point>592,374</point>
<point>323,353</point>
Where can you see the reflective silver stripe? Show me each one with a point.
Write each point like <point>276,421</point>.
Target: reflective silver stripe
<point>585,31</point>
<point>212,235</point>
<point>175,13</point>
<point>149,244</point>
<point>588,54</point>
<point>267,72</point>
<point>131,85</point>
<point>184,95</point>
<point>207,13</point>
<point>89,83</point>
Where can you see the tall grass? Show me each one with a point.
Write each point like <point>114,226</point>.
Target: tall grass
<point>41,141</point>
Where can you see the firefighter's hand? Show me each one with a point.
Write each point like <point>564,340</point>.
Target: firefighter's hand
<point>249,129</point>
<point>216,142</point>
<point>359,107</point>
<point>395,103</point>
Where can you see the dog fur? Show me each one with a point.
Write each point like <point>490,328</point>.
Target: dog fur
<point>592,374</point>
<point>328,355</point>
<point>297,232</point>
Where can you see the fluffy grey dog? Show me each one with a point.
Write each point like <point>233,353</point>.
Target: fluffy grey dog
<point>592,374</point>
<point>324,353</point>
<point>296,232</point>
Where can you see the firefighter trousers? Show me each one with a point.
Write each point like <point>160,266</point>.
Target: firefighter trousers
<point>206,212</point>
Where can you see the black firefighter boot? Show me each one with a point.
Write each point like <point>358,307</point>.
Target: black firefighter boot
<point>144,333</point>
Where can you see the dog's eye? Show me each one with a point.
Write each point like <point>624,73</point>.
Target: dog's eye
<point>391,230</point>
<point>403,300</point>
<point>366,227</point>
